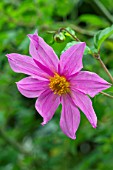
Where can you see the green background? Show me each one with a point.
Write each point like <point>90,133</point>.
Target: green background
<point>24,143</point>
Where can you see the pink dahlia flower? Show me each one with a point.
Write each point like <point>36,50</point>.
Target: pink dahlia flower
<point>57,82</point>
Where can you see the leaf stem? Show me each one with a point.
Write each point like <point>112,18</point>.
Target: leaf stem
<point>106,94</point>
<point>74,37</point>
<point>97,56</point>
<point>82,31</point>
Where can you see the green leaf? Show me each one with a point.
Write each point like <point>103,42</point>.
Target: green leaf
<point>93,20</point>
<point>86,51</point>
<point>70,30</point>
<point>100,36</point>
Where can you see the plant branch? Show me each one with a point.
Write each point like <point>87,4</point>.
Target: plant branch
<point>82,31</point>
<point>97,56</point>
<point>74,37</point>
<point>77,29</point>
<point>106,70</point>
<point>106,94</point>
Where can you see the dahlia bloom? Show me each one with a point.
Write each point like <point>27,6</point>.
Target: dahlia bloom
<point>57,82</point>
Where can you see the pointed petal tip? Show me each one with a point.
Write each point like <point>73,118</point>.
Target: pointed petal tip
<point>80,45</point>
<point>44,122</point>
<point>29,35</point>
<point>109,84</point>
<point>8,56</point>
<point>94,122</point>
<point>83,44</point>
<point>18,83</point>
<point>94,125</point>
<point>35,33</point>
<point>72,137</point>
<point>11,56</point>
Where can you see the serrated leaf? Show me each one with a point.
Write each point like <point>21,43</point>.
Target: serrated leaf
<point>100,36</point>
<point>86,51</point>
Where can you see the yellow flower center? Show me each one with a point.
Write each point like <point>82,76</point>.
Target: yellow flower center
<point>59,85</point>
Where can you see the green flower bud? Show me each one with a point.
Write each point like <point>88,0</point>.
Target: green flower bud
<point>59,37</point>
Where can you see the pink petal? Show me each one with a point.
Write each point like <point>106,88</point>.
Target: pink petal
<point>89,83</point>
<point>42,52</point>
<point>24,64</point>
<point>71,59</point>
<point>31,87</point>
<point>84,103</point>
<point>47,104</point>
<point>70,117</point>
<point>44,68</point>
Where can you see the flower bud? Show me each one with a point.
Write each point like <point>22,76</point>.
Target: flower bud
<point>59,37</point>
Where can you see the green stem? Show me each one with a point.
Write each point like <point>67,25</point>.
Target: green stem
<point>106,70</point>
<point>66,24</point>
<point>64,29</point>
<point>97,56</point>
<point>106,94</point>
<point>82,31</point>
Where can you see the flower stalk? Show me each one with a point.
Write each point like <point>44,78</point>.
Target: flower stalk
<point>106,94</point>
<point>97,56</point>
<point>74,37</point>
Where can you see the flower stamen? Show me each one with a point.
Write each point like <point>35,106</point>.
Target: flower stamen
<point>59,85</point>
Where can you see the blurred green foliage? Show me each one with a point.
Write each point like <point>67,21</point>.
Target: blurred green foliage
<point>49,148</point>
